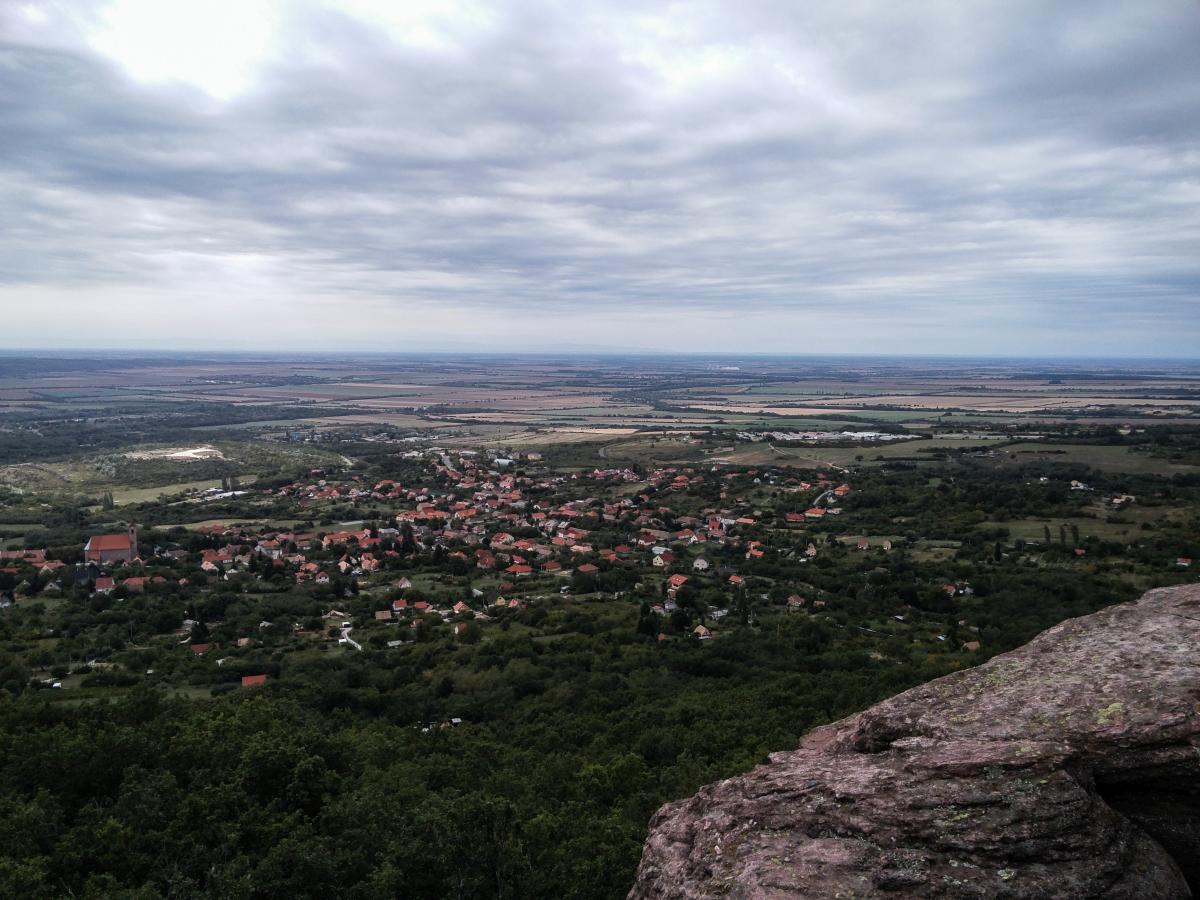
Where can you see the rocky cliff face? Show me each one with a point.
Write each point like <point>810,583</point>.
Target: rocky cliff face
<point>1067,768</point>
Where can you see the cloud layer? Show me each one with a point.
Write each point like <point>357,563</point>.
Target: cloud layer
<point>994,177</point>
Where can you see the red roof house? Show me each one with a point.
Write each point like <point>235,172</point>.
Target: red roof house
<point>106,548</point>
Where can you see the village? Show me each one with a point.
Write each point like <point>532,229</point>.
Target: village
<point>513,533</point>
<point>465,543</point>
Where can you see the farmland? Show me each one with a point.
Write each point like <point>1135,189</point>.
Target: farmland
<point>428,392</point>
<point>138,427</point>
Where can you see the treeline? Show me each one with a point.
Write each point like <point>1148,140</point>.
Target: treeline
<point>343,777</point>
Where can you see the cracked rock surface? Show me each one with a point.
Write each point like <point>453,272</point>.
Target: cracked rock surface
<point>1069,767</point>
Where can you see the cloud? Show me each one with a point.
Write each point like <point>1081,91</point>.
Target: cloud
<point>860,175</point>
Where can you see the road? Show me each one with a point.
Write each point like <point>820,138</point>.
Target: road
<point>823,462</point>
<point>346,639</point>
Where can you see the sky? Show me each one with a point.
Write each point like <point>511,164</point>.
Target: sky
<point>1000,177</point>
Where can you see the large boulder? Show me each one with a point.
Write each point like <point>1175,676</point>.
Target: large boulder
<point>1066,768</point>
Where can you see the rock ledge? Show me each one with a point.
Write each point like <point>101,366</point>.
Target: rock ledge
<point>1067,768</point>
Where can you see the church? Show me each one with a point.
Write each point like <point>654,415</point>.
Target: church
<point>108,548</point>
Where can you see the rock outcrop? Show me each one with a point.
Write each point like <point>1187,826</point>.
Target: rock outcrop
<point>1067,768</point>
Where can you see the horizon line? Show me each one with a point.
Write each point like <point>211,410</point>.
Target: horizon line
<point>579,352</point>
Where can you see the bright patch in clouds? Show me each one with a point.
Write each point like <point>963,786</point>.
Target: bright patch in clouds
<point>215,45</point>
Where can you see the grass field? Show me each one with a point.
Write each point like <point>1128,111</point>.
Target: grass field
<point>866,455</point>
<point>144,473</point>
<point>1105,458</point>
<point>1034,530</point>
<point>123,494</point>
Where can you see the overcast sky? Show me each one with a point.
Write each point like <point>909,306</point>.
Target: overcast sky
<point>1008,177</point>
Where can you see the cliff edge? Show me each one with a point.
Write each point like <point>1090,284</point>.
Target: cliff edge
<point>1069,767</point>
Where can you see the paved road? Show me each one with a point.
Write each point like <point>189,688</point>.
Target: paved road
<point>346,639</point>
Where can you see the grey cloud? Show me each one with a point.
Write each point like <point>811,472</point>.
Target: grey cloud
<point>1025,159</point>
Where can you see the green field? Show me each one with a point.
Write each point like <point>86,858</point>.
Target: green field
<point>1123,525</point>
<point>134,480</point>
<point>866,455</point>
<point>1105,458</point>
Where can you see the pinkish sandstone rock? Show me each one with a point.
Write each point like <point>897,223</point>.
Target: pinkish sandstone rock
<point>1067,768</point>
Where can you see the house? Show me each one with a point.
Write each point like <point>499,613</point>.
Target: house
<point>971,646</point>
<point>700,565</point>
<point>737,581</point>
<point>796,601</point>
<point>587,569</point>
<point>1183,562</point>
<point>269,549</point>
<point>251,680</point>
<point>104,584</point>
<point>702,633</point>
<point>33,557</point>
<point>109,548</point>
<point>383,615</point>
<point>200,649</point>
<point>344,537</point>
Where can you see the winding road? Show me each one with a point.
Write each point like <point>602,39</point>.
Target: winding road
<point>346,639</point>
